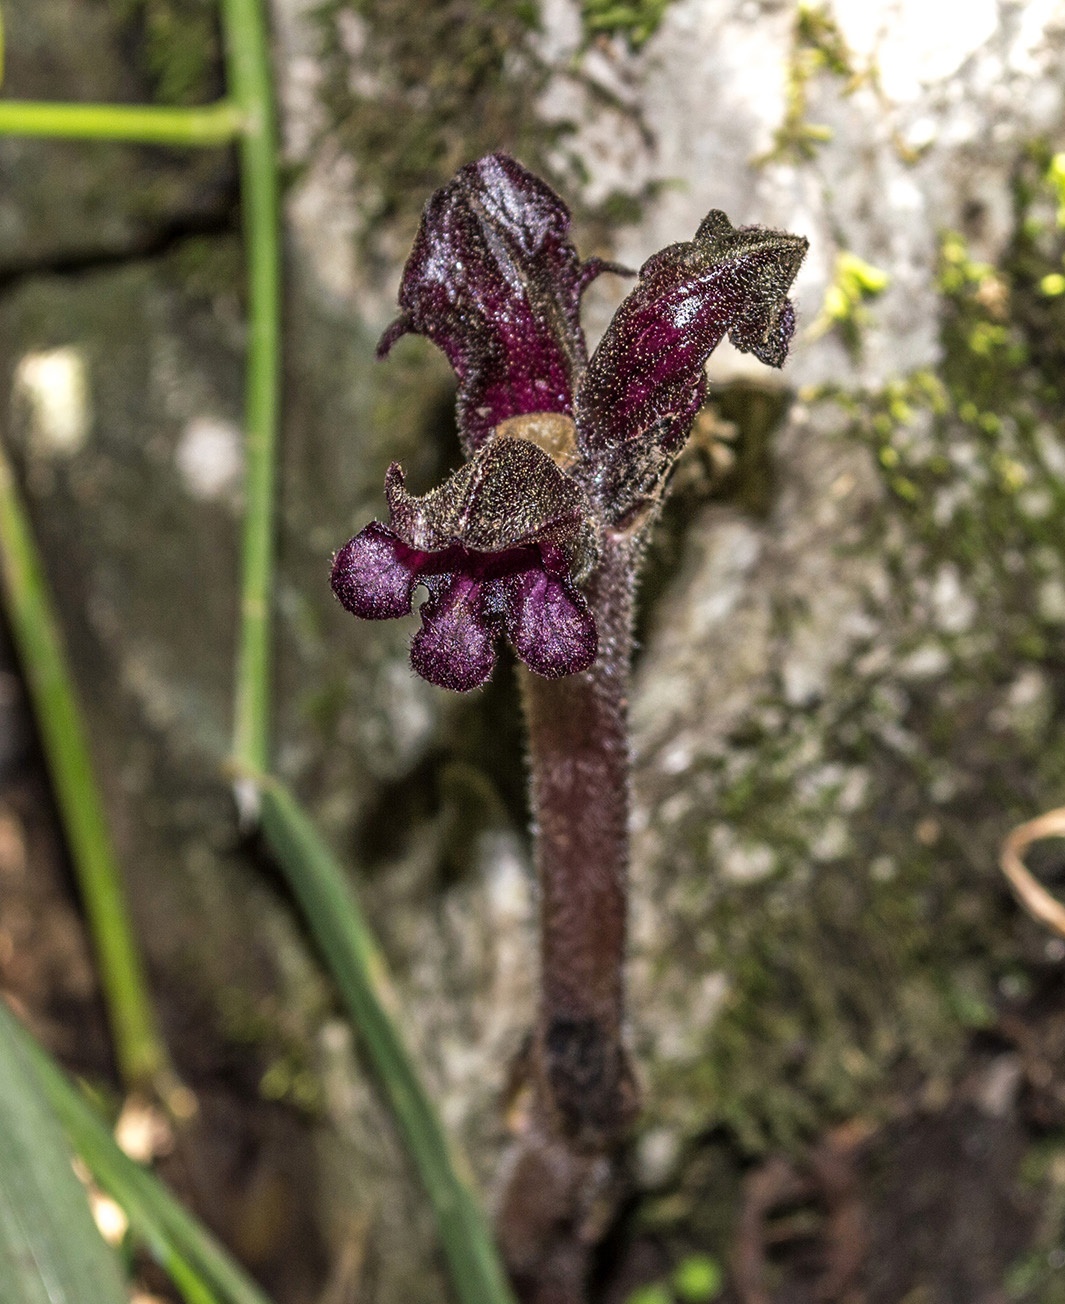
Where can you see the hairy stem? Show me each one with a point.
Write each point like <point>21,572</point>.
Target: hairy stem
<point>583,1094</point>
<point>579,752</point>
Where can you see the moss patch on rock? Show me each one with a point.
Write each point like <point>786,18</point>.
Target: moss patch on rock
<point>416,91</point>
<point>635,22</point>
<point>413,92</point>
<point>842,899</point>
<point>818,47</point>
<point>178,42</point>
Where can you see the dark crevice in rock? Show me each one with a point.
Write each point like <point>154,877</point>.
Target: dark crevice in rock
<point>156,243</point>
<point>729,460</point>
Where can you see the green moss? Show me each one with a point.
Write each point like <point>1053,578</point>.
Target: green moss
<point>697,1279</point>
<point>180,43</point>
<point>1037,254</point>
<point>843,971</point>
<point>656,1293</point>
<point>854,283</point>
<point>209,267</point>
<point>599,222</point>
<point>1055,175</point>
<point>970,455</point>
<point>280,1052</point>
<point>837,970</point>
<point>636,21</point>
<point>817,47</point>
<point>1038,1276</point>
<point>414,91</point>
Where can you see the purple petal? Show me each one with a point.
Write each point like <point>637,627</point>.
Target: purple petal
<point>550,624</point>
<point>645,381</point>
<point>494,282</point>
<point>768,345</point>
<point>453,649</point>
<point>374,574</point>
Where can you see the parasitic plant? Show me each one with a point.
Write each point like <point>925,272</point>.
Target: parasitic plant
<point>537,538</point>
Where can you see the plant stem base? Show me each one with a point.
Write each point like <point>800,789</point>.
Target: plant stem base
<point>562,1183</point>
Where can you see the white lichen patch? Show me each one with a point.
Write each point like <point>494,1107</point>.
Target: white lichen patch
<point>953,609</point>
<point>1052,601</point>
<point>739,860</point>
<point>928,660</point>
<point>1028,705</point>
<point>483,942</point>
<point>320,204</point>
<point>392,735</point>
<point>696,1000</point>
<point>209,457</point>
<point>1036,503</point>
<point>915,43</point>
<point>832,841</point>
<point>52,389</point>
<point>657,1152</point>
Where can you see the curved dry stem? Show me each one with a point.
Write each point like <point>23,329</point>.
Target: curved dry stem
<point>1031,894</point>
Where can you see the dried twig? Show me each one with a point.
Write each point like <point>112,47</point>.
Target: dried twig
<point>1031,894</point>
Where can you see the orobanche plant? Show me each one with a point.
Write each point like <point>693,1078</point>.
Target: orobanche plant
<point>537,538</point>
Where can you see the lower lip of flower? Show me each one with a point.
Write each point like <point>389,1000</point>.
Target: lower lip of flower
<point>460,560</point>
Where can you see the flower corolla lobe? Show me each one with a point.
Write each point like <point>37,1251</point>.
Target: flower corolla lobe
<point>494,282</point>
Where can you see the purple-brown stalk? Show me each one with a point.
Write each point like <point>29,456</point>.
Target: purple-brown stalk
<point>579,753</point>
<point>537,538</point>
<point>560,1186</point>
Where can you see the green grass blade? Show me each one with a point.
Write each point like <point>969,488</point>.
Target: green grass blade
<point>317,882</point>
<point>343,936</point>
<point>214,124</point>
<point>27,603</point>
<point>50,1249</point>
<point>201,1269</point>
<point>251,87</point>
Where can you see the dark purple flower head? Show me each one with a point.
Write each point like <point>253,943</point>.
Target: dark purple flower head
<point>493,280</point>
<point>561,449</point>
<point>499,546</point>
<point>640,393</point>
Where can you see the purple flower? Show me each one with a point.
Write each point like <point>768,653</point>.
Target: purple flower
<point>639,395</point>
<point>560,449</point>
<point>493,280</point>
<point>499,547</point>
